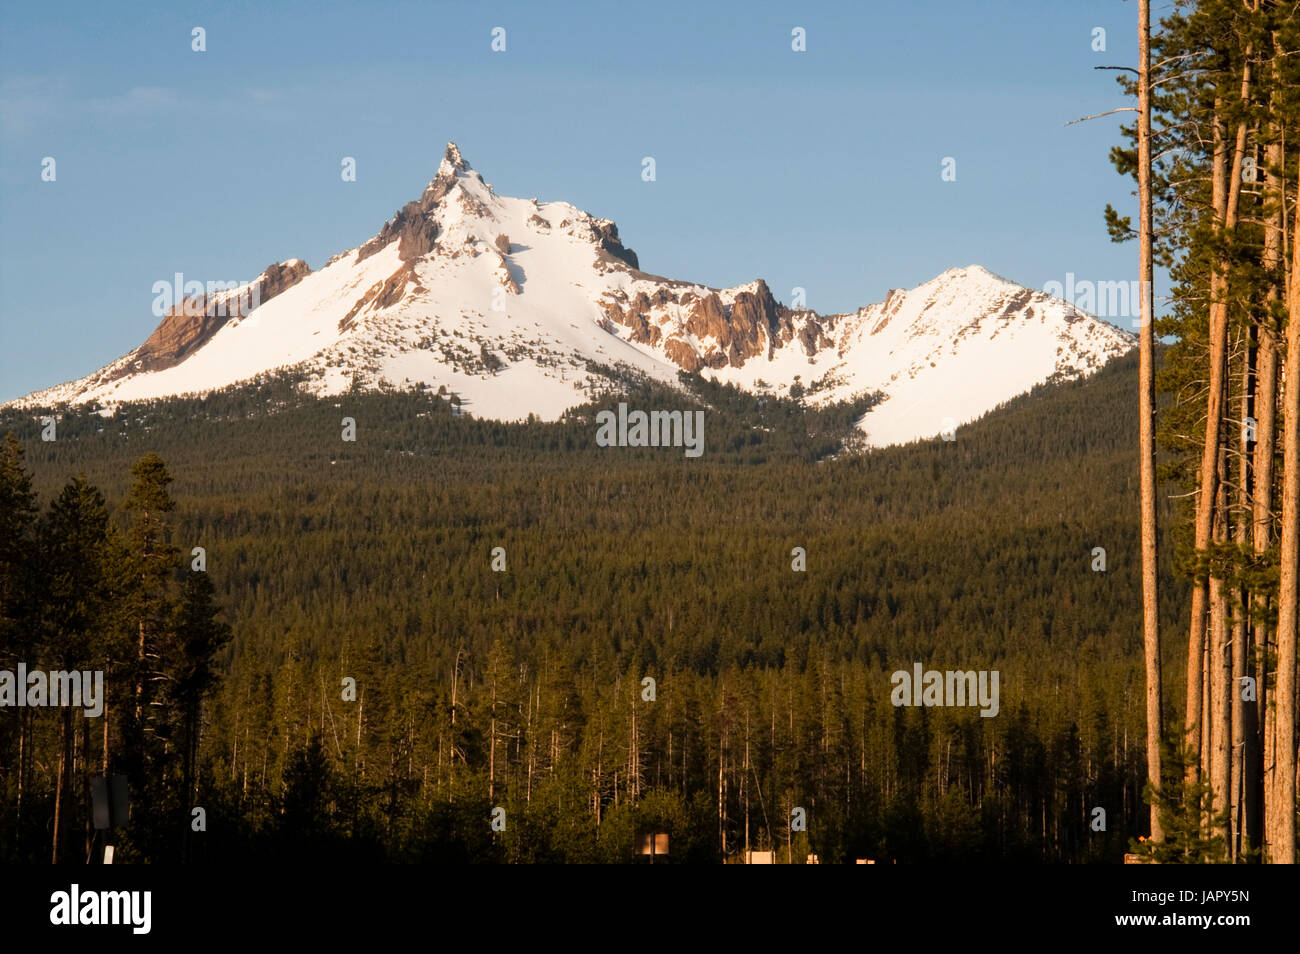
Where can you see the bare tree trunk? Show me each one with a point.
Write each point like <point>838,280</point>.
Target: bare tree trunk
<point>1260,748</point>
<point>1226,190</point>
<point>1146,421</point>
<point>358,764</point>
<point>1220,673</point>
<point>532,745</point>
<point>492,747</point>
<point>722,792</point>
<point>1280,806</point>
<point>1241,535</point>
<point>1221,658</point>
<point>1261,539</point>
<point>85,784</point>
<point>1218,340</point>
<point>24,744</point>
<point>104,717</point>
<point>1207,721</point>
<point>60,784</point>
<point>139,675</point>
<point>744,785</point>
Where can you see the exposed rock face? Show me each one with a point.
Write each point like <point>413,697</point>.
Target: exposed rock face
<point>683,355</point>
<point>383,294</point>
<point>813,336</point>
<point>414,226</point>
<point>281,277</point>
<point>504,277</point>
<point>1020,302</point>
<point>743,331</point>
<point>189,325</point>
<point>606,233</point>
<point>713,329</point>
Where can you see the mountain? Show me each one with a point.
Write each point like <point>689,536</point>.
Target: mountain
<point>521,307</point>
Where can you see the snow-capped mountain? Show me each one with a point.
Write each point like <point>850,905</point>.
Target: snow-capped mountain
<point>509,303</point>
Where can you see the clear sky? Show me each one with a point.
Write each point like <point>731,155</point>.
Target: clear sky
<point>819,169</point>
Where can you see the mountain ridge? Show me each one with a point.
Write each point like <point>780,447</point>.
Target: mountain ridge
<point>510,303</point>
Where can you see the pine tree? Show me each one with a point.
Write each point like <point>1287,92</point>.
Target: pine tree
<point>190,669</point>
<point>74,563</point>
<point>18,606</point>
<point>149,566</point>
<point>1192,827</point>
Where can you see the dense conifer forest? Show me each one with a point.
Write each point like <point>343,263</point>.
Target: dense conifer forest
<point>477,687</point>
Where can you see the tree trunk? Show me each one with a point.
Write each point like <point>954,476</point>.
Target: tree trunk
<point>60,784</point>
<point>1280,807</point>
<point>1226,190</point>
<point>1242,524</point>
<point>492,746</point>
<point>1146,421</point>
<point>1208,483</point>
<point>1220,673</point>
<point>1259,748</point>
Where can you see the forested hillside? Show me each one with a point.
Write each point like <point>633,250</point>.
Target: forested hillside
<point>523,688</point>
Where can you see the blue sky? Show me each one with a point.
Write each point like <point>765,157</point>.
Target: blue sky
<point>818,169</point>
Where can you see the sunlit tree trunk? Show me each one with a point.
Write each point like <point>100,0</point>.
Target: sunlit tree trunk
<point>1280,806</point>
<point>1208,483</point>
<point>1146,420</point>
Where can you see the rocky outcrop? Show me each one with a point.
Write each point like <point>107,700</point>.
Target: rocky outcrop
<point>748,328</point>
<point>280,277</point>
<point>383,294</point>
<point>605,233</point>
<point>812,336</point>
<point>189,325</point>
<point>415,227</point>
<point>683,355</point>
<point>729,332</point>
<point>506,279</point>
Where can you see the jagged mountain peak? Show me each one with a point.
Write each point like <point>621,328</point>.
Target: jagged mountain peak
<point>452,161</point>
<point>453,170</point>
<point>513,304</point>
<point>457,206</point>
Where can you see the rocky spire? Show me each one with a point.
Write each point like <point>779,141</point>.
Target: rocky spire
<point>453,162</point>
<point>452,167</point>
